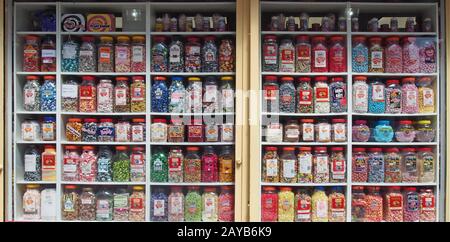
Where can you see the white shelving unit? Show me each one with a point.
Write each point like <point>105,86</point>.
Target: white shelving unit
<point>152,10</point>
<point>288,8</point>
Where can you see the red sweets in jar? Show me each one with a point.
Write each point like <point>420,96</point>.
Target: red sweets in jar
<point>269,205</point>
<point>319,55</point>
<point>338,54</point>
<point>195,131</point>
<point>394,55</point>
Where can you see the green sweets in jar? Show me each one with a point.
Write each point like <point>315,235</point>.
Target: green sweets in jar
<point>193,205</point>
<point>121,165</point>
<point>159,167</point>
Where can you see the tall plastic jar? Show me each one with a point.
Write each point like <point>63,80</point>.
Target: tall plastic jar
<point>121,165</point>
<point>394,55</point>
<point>321,160</point>
<point>70,56</point>
<point>176,55</point>
<point>106,54</point>
<point>359,204</point>
<point>32,164</point>
<point>138,54</point>
<point>360,95</point>
<point>122,95</point>
<point>192,55</point>
<point>393,97</point>
<point>71,162</point>
<point>138,95</point>
<point>160,95</point>
<point>194,95</point>
<point>302,206</point>
<point>393,165</point>
<point>338,54</point>
<point>411,205</point>
<point>31,54</point>
<point>105,98</point>
<point>271,165</point>
<point>377,98</point>
<point>375,165</point>
<point>88,95</point>
<point>49,163</point>
<point>303,54</point>
<point>176,163</point>
<point>288,165</point>
<point>176,205</point>
<point>87,204</point>
<point>321,95</point>
<point>410,96</point>
<point>159,205</point>
<point>160,54</point>
<point>287,95</point>
<point>393,205</point>
<point>48,54</point>
<point>286,200</point>
<point>286,56</point>
<point>360,55</point>
<point>31,203</point>
<point>210,55</point>
<point>210,205</point>
<point>88,55</point>
<point>426,95</point>
<point>48,94</point>
<point>192,165</point>
<point>427,205</point>
<point>338,95</point>
<point>376,55</point>
<point>210,165</point>
<point>411,55</point>
<point>122,54</point>
<point>193,205</point>
<point>428,57</point>
<point>271,94</point>
<point>31,94</point>
<point>270,54</point>
<point>88,164</point>
<point>320,54</point>
<point>70,203</point>
<point>338,165</point>
<point>360,165</point>
<point>337,205</point>
<point>319,204</point>
<point>226,204</point>
<point>427,165</point>
<point>227,94</point>
<point>269,205</point>
<point>374,205</point>
<point>305,95</point>
<point>104,208</point>
<point>409,165</point>
<point>137,204</point>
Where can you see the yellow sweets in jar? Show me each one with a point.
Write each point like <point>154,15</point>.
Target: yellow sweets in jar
<point>426,96</point>
<point>286,205</point>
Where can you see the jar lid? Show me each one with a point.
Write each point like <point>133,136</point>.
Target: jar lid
<point>337,79</point>
<point>70,187</point>
<point>50,147</point>
<point>360,38</point>
<point>409,79</point>
<point>337,189</point>
<point>160,120</point>
<point>287,79</point>
<point>71,147</point>
<point>319,38</point>
<point>391,82</point>
<point>411,189</point>
<point>226,78</point>
<point>193,38</point>
<point>209,189</point>
<point>425,79</point>
<point>106,120</point>
<point>159,38</point>
<point>138,149</point>
<point>288,148</point>
<point>90,120</point>
<point>424,122</point>
<point>176,189</point>
<point>32,78</point>
<point>394,188</point>
<point>374,189</point>
<point>337,149</point>
<point>32,186</point>
<point>160,78</point>
<point>138,120</point>
<point>49,119</point>
<point>138,78</point>
<point>138,38</point>
<point>193,187</point>
<point>285,189</point>
<point>49,77</point>
<point>305,149</point>
<point>271,148</point>
<point>425,149</point>
<point>270,78</point>
<point>106,38</point>
<point>392,150</point>
<point>338,121</point>
<point>226,188</point>
<point>88,38</point>
<point>177,78</point>
<point>406,122</point>
<point>361,122</point>
<point>88,148</point>
<point>302,38</point>
<point>194,79</point>
<point>138,188</point>
<point>121,78</point>
<point>321,149</point>
<point>409,38</point>
<point>337,38</point>
<point>269,189</point>
<point>359,149</point>
<point>358,188</point>
<point>193,149</point>
<point>31,37</point>
<point>210,38</point>
<point>270,37</point>
<point>121,148</point>
<point>321,79</point>
<point>320,189</point>
<point>375,39</point>
<point>74,120</point>
<point>393,38</point>
<point>88,78</point>
<point>373,150</point>
<point>408,149</point>
<point>384,122</point>
<point>360,78</point>
<point>311,121</point>
<point>123,38</point>
<point>304,79</point>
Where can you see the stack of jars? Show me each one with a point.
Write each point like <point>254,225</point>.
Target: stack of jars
<point>305,167</point>
<point>379,97</point>
<point>191,166</point>
<point>193,56</point>
<point>307,130</point>
<point>327,95</point>
<point>306,55</point>
<point>122,204</point>
<point>394,165</point>
<point>304,205</point>
<point>104,97</point>
<point>87,164</point>
<point>33,130</point>
<point>183,23</point>
<point>382,131</point>
<point>39,54</point>
<point>329,23</point>
<point>393,204</point>
<point>211,205</point>
<point>416,55</point>
<point>194,131</point>
<point>39,203</point>
<point>411,25</point>
<point>39,164</point>
<point>37,97</point>
<point>126,55</point>
<point>209,95</point>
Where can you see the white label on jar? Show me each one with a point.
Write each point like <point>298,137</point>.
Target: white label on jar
<point>320,59</point>
<point>122,54</point>
<point>411,98</point>
<point>138,53</point>
<point>103,209</point>
<point>69,52</point>
<point>176,205</point>
<point>46,53</point>
<point>308,132</point>
<point>105,55</point>
<point>361,97</point>
<point>175,54</point>
<point>48,204</point>
<point>28,132</point>
<point>30,97</point>
<point>69,91</point>
<point>137,133</point>
<point>289,169</point>
<point>338,169</point>
<point>292,133</point>
<point>210,93</point>
<point>322,164</point>
<point>322,209</point>
<point>104,95</point>
<point>340,133</point>
<point>47,132</point>
<point>274,133</point>
<point>121,201</point>
<point>86,53</point>
<point>158,208</point>
<point>428,97</point>
<point>69,168</point>
<point>272,167</point>
<point>210,206</point>
<point>121,96</point>
<point>305,164</point>
<point>29,203</point>
<point>377,59</point>
<point>122,133</point>
<point>30,163</point>
<point>378,93</point>
<point>227,98</point>
<point>324,132</point>
<point>86,201</point>
<point>227,132</point>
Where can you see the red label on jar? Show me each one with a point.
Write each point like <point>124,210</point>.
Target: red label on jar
<point>270,54</point>
<point>136,203</point>
<point>303,205</point>
<point>322,94</point>
<point>303,52</point>
<point>337,203</point>
<point>137,94</point>
<point>270,93</point>
<point>395,202</point>
<point>105,55</point>
<point>427,203</point>
<point>137,159</point>
<point>86,92</point>
<point>48,162</point>
<point>174,164</point>
<point>195,131</point>
<point>305,97</point>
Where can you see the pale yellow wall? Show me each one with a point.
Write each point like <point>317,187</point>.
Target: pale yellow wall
<point>447,41</point>
<point>2,108</point>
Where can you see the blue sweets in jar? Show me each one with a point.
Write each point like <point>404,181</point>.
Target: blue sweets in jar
<point>383,132</point>
<point>160,95</point>
<point>377,97</point>
<point>48,94</point>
